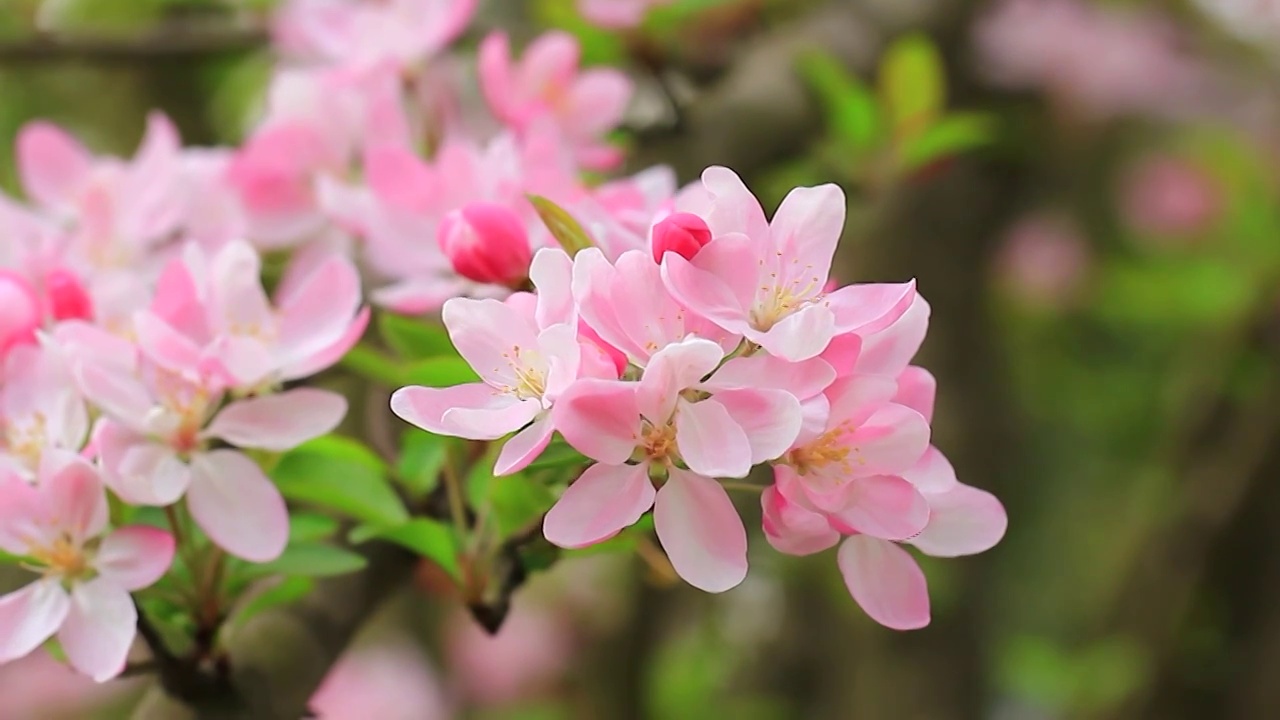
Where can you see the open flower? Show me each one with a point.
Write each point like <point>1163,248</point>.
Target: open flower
<point>60,526</point>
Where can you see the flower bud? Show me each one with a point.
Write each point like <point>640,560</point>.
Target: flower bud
<point>19,311</point>
<point>681,233</point>
<point>486,242</point>
<point>68,299</point>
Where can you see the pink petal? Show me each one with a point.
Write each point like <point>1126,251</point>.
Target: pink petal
<point>30,616</point>
<point>842,353</point>
<point>792,529</point>
<point>99,628</point>
<point>598,100</point>
<point>855,397</point>
<point>710,442</point>
<point>770,418</point>
<point>761,371</point>
<point>474,411</point>
<point>672,369</point>
<point>599,504</point>
<point>326,357</point>
<point>871,307</point>
<point>932,473</point>
<point>21,511</point>
<point>917,389</point>
<point>236,289</point>
<point>808,225</point>
<point>799,336</point>
<point>888,351</point>
<point>885,507</point>
<point>552,274</point>
<point>963,521</point>
<point>886,581</point>
<point>703,293</point>
<point>599,419</point>
<point>244,361</point>
<point>734,208</point>
<point>496,81</point>
<point>319,312</point>
<point>281,421</point>
<point>116,392</point>
<point>164,345</point>
<point>524,447</point>
<point>237,506</point>
<point>486,332</point>
<point>891,441</point>
<point>134,557</point>
<point>52,164</point>
<point>140,471</point>
<point>76,497</point>
<point>701,531</point>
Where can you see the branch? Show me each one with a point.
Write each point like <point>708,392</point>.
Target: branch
<point>171,41</point>
<point>277,659</point>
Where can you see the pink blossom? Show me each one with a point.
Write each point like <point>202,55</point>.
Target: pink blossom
<point>526,356</point>
<point>391,681</point>
<point>487,243</point>
<point>361,33</point>
<point>617,13</point>
<point>38,687</point>
<point>211,316</point>
<point>40,410</point>
<point>765,280</point>
<point>66,296</point>
<point>154,442</point>
<point>20,314</point>
<point>547,83</point>
<point>60,524</point>
<point>1044,260</point>
<point>530,653</point>
<point>1168,196</point>
<point>713,434</point>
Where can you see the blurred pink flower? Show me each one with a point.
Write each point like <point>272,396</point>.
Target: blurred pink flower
<point>20,314</point>
<point>38,687</point>
<point>359,33</point>
<point>617,13</point>
<point>391,681</point>
<point>1044,260</point>
<point>1099,62</point>
<point>1169,196</point>
<point>529,654</point>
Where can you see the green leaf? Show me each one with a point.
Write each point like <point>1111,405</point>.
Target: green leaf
<point>310,560</point>
<point>516,502</point>
<point>342,475</point>
<point>563,227</point>
<point>852,113</point>
<point>424,536</point>
<point>373,364</point>
<point>422,454</point>
<point>311,527</point>
<point>558,454</point>
<point>912,84</point>
<point>951,135</point>
<point>439,372</point>
<point>289,590</point>
<point>414,338</point>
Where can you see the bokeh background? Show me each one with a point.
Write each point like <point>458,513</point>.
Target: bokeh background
<point>1099,236</point>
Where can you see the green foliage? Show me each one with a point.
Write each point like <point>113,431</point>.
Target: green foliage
<point>912,85</point>
<point>851,109</point>
<point>341,475</point>
<point>288,590</point>
<point>426,537</point>
<point>422,455</point>
<point>414,338</point>
<point>563,227</point>
<point>1091,679</point>
<point>309,559</point>
<point>310,527</point>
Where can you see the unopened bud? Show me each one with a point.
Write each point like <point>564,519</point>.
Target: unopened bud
<point>681,233</point>
<point>68,299</point>
<point>19,311</point>
<point>486,242</point>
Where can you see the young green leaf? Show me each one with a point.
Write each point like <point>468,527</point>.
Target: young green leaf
<point>424,536</point>
<point>852,114</point>
<point>912,85</point>
<point>563,227</point>
<point>951,135</point>
<point>310,560</point>
<point>422,455</point>
<point>414,338</point>
<point>439,372</point>
<point>311,527</point>
<point>290,589</point>
<point>342,475</point>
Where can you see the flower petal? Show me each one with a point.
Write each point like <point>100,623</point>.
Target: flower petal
<point>770,418</point>
<point>891,441</point>
<point>281,421</point>
<point>799,336</point>
<point>710,442</point>
<point>75,495</point>
<point>886,581</point>
<point>963,521</point>
<point>672,369</point>
<point>701,531</point>
<point>524,447</point>
<point>99,628</point>
<point>599,504</point>
<point>932,473</point>
<point>792,529</point>
<point>134,557</point>
<point>870,307</point>
<point>808,225</point>
<point>599,419</point>
<point>474,411</point>
<point>885,507</point>
<point>237,506</point>
<point>30,616</point>
<point>140,471</point>
<point>52,164</point>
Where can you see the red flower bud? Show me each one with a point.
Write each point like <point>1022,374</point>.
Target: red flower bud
<point>486,242</point>
<point>681,233</point>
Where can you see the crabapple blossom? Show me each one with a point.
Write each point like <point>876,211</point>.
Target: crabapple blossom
<point>681,233</point>
<point>60,525</point>
<point>765,280</point>
<point>487,243</point>
<point>546,83</point>
<point>20,314</point>
<point>405,32</point>
<point>155,439</point>
<point>40,410</point>
<point>617,13</point>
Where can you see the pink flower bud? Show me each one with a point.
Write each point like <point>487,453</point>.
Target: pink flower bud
<point>68,299</point>
<point>19,311</point>
<point>681,233</point>
<point>487,243</point>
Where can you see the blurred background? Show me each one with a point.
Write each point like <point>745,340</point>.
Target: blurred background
<point>1092,211</point>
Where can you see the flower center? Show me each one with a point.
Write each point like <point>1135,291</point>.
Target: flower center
<point>658,443</point>
<point>63,558</point>
<point>778,299</point>
<point>26,441</point>
<point>828,453</point>
<point>530,378</point>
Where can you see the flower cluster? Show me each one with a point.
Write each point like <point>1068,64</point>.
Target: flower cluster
<point>718,349</point>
